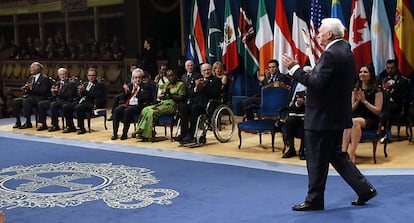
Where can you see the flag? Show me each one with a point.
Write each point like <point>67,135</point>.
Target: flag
<point>230,56</point>
<point>315,23</point>
<point>381,37</point>
<point>300,37</point>
<point>403,31</point>
<point>336,12</point>
<point>246,43</point>
<point>282,37</point>
<point>196,38</point>
<point>214,36</point>
<point>359,35</point>
<point>264,37</point>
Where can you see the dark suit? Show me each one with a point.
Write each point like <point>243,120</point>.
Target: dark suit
<point>327,114</point>
<point>210,89</point>
<point>67,93</point>
<point>40,91</point>
<point>185,105</point>
<point>125,112</point>
<point>85,104</point>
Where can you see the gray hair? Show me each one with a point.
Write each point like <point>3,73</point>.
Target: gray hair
<point>137,71</point>
<point>39,65</point>
<point>62,69</point>
<point>335,26</point>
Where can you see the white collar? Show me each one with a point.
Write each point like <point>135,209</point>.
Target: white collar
<point>331,43</point>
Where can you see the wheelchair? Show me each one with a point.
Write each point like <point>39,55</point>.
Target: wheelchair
<point>218,118</point>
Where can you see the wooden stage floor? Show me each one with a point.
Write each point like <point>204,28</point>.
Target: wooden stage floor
<point>400,153</point>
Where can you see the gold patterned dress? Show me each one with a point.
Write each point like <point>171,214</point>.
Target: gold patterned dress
<point>150,114</point>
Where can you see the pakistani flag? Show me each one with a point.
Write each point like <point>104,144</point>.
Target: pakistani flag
<point>214,35</point>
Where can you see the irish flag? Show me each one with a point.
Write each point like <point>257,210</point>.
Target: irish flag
<point>264,37</point>
<point>230,56</point>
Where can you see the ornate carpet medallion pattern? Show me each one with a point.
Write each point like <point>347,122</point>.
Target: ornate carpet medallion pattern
<point>71,184</point>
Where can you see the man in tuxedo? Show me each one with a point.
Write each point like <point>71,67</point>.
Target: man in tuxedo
<point>294,124</point>
<point>327,114</point>
<point>63,91</point>
<point>206,88</point>
<point>398,87</point>
<point>89,93</point>
<point>135,97</point>
<point>271,76</point>
<point>37,88</point>
<point>189,78</point>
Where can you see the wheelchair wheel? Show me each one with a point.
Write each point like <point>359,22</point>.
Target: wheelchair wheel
<point>223,123</point>
<point>201,140</point>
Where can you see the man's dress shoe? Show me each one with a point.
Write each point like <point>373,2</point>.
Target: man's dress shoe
<point>302,156</point>
<point>365,197</point>
<point>54,129</point>
<point>307,207</point>
<point>42,127</point>
<point>123,137</point>
<point>114,137</point>
<point>17,125</point>
<point>26,125</point>
<point>289,153</point>
<point>68,130</point>
<point>81,131</point>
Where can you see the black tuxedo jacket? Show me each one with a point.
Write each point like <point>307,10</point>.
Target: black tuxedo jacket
<point>190,83</point>
<point>329,89</point>
<point>41,88</point>
<point>144,95</point>
<point>96,92</point>
<point>210,89</point>
<point>68,92</point>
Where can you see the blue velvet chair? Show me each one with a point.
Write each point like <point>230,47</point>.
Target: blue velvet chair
<point>273,99</point>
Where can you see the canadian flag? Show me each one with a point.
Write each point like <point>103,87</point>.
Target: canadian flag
<point>359,35</point>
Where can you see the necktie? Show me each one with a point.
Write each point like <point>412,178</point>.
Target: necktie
<point>134,91</point>
<point>89,86</point>
<point>188,77</point>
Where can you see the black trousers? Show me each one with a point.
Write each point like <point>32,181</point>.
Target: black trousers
<point>322,148</point>
<point>24,105</point>
<point>126,115</point>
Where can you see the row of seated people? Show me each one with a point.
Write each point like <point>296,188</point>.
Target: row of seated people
<point>188,96</point>
<point>366,98</point>
<point>42,93</point>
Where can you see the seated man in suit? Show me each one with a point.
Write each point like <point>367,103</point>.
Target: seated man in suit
<point>117,99</point>
<point>184,105</point>
<point>206,88</point>
<point>294,125</point>
<point>135,97</point>
<point>89,93</point>
<point>268,79</point>
<point>37,88</point>
<point>63,91</point>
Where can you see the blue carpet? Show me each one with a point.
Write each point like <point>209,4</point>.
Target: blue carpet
<point>103,182</point>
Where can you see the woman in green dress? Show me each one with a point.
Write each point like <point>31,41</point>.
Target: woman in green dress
<point>173,93</point>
